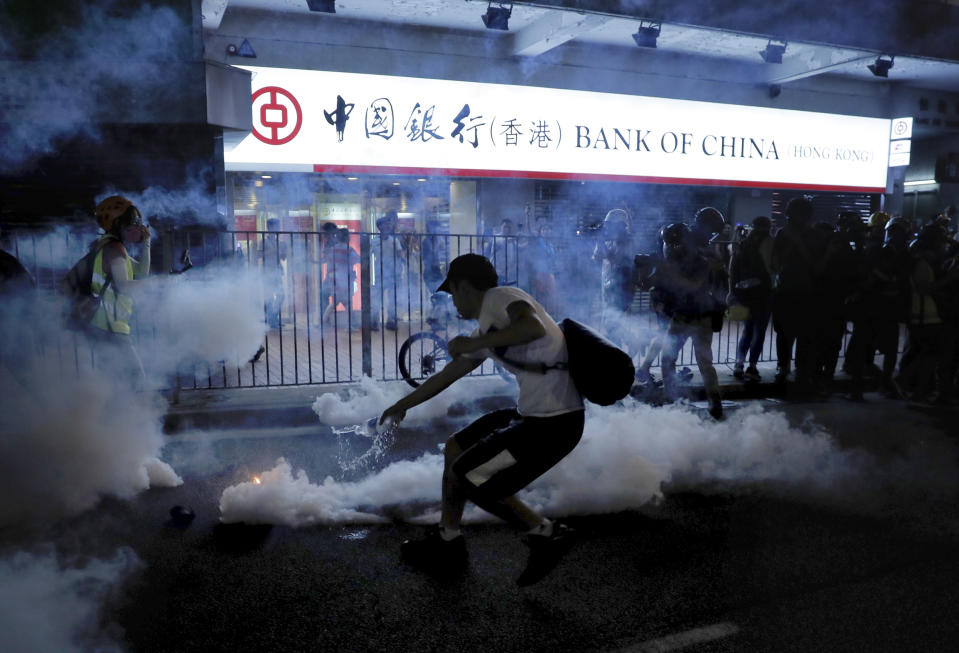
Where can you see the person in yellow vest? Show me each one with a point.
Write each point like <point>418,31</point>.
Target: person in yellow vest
<point>115,275</point>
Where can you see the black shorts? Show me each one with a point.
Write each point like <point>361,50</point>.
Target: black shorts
<point>503,452</point>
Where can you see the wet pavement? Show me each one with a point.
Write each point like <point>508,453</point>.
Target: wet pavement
<point>718,567</point>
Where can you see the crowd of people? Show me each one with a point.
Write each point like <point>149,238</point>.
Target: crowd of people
<point>883,286</point>
<point>873,280</point>
<point>817,283</point>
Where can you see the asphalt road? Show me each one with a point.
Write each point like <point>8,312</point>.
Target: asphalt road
<point>716,568</point>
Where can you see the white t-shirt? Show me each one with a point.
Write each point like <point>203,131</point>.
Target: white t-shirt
<point>540,395</point>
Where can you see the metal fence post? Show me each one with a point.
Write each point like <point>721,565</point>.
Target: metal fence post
<point>366,314</point>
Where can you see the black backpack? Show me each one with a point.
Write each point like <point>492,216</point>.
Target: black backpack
<point>76,285</point>
<point>602,372</point>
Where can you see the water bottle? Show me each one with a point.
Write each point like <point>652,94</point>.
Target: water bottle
<point>374,429</point>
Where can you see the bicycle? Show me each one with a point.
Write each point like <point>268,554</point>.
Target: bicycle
<point>425,352</point>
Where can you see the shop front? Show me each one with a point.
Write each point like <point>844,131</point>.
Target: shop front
<point>458,160</point>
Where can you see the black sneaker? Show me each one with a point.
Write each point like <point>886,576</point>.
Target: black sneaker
<point>545,552</point>
<point>738,372</point>
<point>433,551</point>
<point>752,374</point>
<point>716,409</point>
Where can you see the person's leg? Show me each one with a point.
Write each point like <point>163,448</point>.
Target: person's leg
<point>783,319</point>
<point>672,342</point>
<point>745,340</point>
<point>491,471</point>
<point>760,325</point>
<point>453,497</point>
<point>702,337</point>
<point>509,509</point>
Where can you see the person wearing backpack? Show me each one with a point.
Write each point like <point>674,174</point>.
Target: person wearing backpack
<point>499,454</point>
<point>113,280</point>
<point>682,281</point>
<point>750,285</point>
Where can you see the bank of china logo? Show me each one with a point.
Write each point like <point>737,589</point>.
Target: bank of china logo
<point>277,116</point>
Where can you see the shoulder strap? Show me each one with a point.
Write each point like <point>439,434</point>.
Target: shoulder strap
<point>529,366</point>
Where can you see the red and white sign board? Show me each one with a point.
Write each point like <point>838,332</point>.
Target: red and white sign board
<point>350,123</point>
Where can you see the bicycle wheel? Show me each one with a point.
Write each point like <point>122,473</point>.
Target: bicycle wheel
<point>421,355</point>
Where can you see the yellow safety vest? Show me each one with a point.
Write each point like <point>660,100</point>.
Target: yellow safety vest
<point>116,309</point>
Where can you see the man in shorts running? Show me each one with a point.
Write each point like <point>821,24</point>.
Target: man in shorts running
<point>499,454</point>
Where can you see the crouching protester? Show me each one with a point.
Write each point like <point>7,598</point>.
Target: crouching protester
<point>112,282</point>
<point>499,454</point>
<point>682,282</point>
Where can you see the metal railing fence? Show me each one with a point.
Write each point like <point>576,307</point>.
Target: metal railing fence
<point>339,306</point>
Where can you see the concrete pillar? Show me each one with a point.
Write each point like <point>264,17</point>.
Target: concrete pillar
<point>462,214</point>
<point>893,200</point>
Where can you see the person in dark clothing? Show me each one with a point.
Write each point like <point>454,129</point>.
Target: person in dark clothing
<point>681,280</point>
<point>946,294</point>
<point>879,308</point>
<point>839,276</point>
<point>750,284</point>
<point>615,252</point>
<point>15,281</point>
<point>794,249</point>
<point>13,276</point>
<point>924,349</point>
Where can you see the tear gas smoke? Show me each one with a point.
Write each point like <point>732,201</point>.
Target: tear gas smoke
<point>71,441</point>
<point>48,605</point>
<point>69,434</point>
<point>370,398</point>
<point>627,456</point>
<point>61,93</point>
<point>190,203</point>
<point>208,317</point>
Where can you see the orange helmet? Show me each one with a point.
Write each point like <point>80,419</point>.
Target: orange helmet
<point>110,209</point>
<point>879,219</point>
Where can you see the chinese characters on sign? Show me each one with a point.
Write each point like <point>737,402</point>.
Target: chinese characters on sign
<point>426,124</point>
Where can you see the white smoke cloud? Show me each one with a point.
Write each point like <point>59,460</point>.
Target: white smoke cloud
<point>71,434</point>
<point>191,202</point>
<point>370,398</point>
<point>62,93</point>
<point>73,440</point>
<point>627,456</point>
<point>46,605</point>
<point>207,317</point>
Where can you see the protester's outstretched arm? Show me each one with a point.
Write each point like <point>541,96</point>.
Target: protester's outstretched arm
<point>456,369</point>
<point>141,267</point>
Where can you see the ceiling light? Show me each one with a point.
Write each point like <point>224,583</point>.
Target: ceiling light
<point>498,17</point>
<point>396,183</point>
<point>773,52</point>
<point>266,176</point>
<point>921,182</point>
<point>421,180</point>
<point>881,67</point>
<point>352,178</point>
<point>647,34</point>
<point>325,6</point>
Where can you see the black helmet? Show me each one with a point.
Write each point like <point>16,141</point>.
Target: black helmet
<point>675,234</point>
<point>931,233</point>
<point>709,220</point>
<point>850,221</point>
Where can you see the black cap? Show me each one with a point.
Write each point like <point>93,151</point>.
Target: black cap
<point>474,268</point>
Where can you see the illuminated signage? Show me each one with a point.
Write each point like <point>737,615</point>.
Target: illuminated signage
<point>901,144</point>
<point>351,123</point>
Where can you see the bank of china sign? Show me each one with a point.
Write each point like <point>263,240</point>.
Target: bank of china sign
<point>350,123</point>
